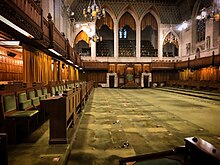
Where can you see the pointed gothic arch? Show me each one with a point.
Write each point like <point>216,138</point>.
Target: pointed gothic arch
<point>81,44</point>
<point>171,44</point>
<point>149,36</point>
<point>127,35</point>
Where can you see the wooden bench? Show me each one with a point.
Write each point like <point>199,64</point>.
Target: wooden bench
<point>16,122</point>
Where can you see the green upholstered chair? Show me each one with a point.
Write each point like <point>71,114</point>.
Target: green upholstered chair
<point>57,91</point>
<point>46,93</point>
<point>64,87</point>
<point>40,94</point>
<point>68,86</point>
<point>35,100</point>
<point>60,89</point>
<point>23,103</point>
<point>9,102</point>
<point>53,91</point>
<point>14,118</point>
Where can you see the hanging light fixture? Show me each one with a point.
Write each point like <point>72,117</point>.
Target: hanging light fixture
<point>170,38</point>
<point>96,37</point>
<point>94,11</point>
<point>211,12</point>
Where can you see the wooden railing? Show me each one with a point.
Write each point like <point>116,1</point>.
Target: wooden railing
<point>30,8</point>
<point>59,39</point>
<point>199,63</point>
<point>46,28</point>
<point>182,65</point>
<point>27,15</point>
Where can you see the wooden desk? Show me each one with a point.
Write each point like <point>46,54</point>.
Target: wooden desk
<point>60,115</point>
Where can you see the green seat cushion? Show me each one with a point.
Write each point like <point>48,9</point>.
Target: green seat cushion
<point>42,97</point>
<point>48,95</point>
<point>31,94</point>
<point>35,101</point>
<point>9,103</point>
<point>23,114</point>
<point>53,91</point>
<point>39,92</point>
<point>22,97</point>
<point>25,104</point>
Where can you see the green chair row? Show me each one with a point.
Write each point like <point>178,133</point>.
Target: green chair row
<point>17,123</point>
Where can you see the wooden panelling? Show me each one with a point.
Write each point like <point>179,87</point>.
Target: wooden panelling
<point>146,68</point>
<point>96,76</point>
<point>162,66</point>
<point>10,68</point>
<point>163,76</point>
<point>121,68</point>
<point>111,68</point>
<point>138,68</point>
<point>201,62</point>
<point>208,85</point>
<point>182,65</point>
<point>96,65</point>
<point>203,74</point>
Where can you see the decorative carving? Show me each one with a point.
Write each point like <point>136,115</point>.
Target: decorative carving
<point>188,47</point>
<point>208,42</point>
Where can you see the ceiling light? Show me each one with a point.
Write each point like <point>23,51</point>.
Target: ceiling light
<point>9,23</point>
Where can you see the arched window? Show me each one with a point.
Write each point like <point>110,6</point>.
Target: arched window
<point>105,27</point>
<point>123,33</point>
<point>170,46</point>
<point>149,36</point>
<point>201,24</point>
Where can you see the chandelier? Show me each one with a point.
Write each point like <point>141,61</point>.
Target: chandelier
<point>94,11</point>
<point>170,38</point>
<point>211,12</point>
<point>96,38</point>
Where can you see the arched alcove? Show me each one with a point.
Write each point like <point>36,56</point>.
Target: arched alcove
<point>81,44</point>
<point>149,36</point>
<point>170,46</point>
<point>105,28</point>
<point>127,36</point>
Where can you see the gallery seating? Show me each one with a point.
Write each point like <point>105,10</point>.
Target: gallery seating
<point>147,49</point>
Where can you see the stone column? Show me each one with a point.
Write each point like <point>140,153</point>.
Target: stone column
<point>160,43</point>
<point>138,40</point>
<point>93,50</point>
<point>116,43</point>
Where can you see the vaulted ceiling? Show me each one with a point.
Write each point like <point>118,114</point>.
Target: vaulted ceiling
<point>170,11</point>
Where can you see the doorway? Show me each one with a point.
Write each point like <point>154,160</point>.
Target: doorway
<point>111,81</point>
<point>146,80</point>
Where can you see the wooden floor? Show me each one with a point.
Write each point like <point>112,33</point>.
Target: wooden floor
<point>119,123</point>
